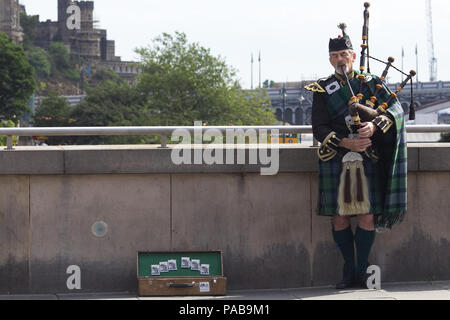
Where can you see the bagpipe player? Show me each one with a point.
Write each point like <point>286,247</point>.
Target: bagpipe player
<point>362,164</point>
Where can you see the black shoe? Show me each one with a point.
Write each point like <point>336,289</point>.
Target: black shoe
<point>348,277</point>
<point>361,278</point>
<point>361,281</point>
<point>347,283</point>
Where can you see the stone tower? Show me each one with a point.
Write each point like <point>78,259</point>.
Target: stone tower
<point>85,40</point>
<point>88,38</point>
<point>10,19</point>
<point>64,32</point>
<point>62,7</point>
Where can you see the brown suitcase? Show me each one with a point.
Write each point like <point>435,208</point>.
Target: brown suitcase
<point>208,286</point>
<point>181,281</point>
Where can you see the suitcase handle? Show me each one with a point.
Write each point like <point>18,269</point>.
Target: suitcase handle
<point>181,285</point>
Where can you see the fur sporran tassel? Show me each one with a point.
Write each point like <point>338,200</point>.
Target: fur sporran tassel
<point>353,198</point>
<point>347,188</point>
<point>359,183</point>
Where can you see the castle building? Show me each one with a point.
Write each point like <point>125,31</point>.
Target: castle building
<point>76,29</point>
<point>10,19</point>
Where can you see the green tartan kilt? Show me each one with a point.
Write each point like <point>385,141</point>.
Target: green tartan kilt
<point>329,179</point>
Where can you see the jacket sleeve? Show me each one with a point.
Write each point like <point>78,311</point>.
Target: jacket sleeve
<point>321,121</point>
<point>320,118</point>
<point>322,131</point>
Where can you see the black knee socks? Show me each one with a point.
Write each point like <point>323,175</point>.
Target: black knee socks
<point>364,240</point>
<point>344,240</point>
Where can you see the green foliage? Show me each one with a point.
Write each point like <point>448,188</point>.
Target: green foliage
<point>40,60</point>
<point>103,75</point>
<point>111,104</point>
<point>184,83</point>
<point>251,108</point>
<point>53,111</point>
<point>181,83</point>
<point>16,79</point>
<point>63,63</point>
<point>60,56</point>
<point>29,25</point>
<point>268,84</point>
<point>72,75</point>
<point>445,137</point>
<point>7,124</point>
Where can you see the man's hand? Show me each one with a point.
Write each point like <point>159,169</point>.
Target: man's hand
<point>367,130</point>
<point>356,145</point>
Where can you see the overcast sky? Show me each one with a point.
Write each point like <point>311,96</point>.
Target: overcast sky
<point>292,35</point>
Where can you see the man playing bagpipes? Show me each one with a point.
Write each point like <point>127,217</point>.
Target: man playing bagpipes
<point>363,155</point>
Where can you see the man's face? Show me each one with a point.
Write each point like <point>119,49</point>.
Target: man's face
<point>343,57</point>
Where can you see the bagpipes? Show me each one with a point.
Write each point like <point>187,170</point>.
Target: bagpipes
<point>370,109</point>
<point>353,193</point>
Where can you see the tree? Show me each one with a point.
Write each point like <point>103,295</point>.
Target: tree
<point>40,60</point>
<point>53,111</point>
<point>29,25</point>
<point>101,75</point>
<point>60,56</point>
<point>268,84</point>
<point>445,137</point>
<point>63,63</point>
<point>7,124</point>
<point>111,104</point>
<point>183,82</point>
<point>257,108</point>
<point>16,79</point>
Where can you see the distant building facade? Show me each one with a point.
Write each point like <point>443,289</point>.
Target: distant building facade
<point>444,118</point>
<point>292,102</point>
<point>76,29</point>
<point>10,19</point>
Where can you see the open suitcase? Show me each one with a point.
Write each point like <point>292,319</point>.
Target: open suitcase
<point>198,273</point>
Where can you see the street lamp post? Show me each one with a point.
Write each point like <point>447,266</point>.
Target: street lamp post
<point>283,96</point>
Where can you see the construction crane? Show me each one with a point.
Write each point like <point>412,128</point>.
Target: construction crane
<point>431,56</point>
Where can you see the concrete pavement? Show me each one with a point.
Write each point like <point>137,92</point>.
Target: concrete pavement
<point>437,290</point>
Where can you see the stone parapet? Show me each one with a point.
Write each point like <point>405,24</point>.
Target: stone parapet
<point>151,159</point>
<point>52,197</point>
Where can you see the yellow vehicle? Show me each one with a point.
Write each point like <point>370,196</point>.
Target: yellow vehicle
<point>288,138</point>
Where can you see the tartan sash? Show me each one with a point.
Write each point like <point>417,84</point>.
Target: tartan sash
<point>396,194</point>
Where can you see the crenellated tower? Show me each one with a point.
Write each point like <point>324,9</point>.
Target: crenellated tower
<point>76,28</point>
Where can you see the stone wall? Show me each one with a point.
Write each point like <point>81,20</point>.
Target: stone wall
<point>265,226</point>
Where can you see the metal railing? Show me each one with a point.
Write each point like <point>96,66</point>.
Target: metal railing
<point>164,132</point>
